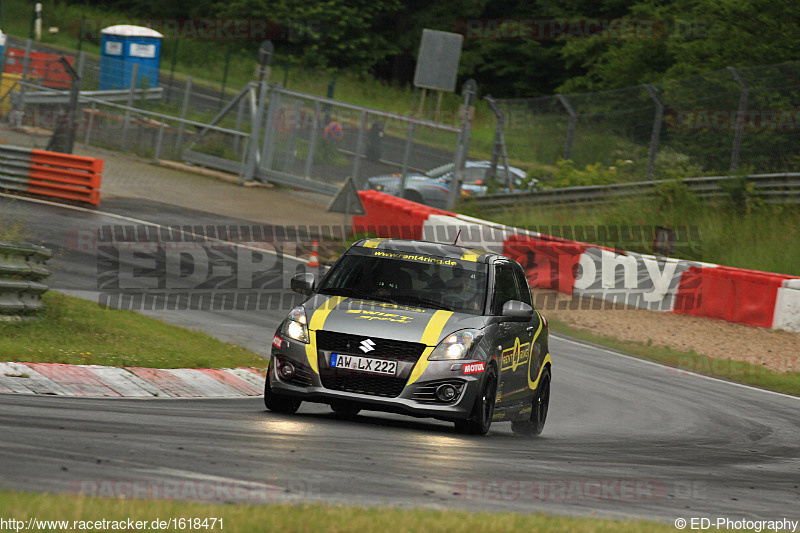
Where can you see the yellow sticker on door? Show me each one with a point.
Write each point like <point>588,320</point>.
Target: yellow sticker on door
<point>516,356</point>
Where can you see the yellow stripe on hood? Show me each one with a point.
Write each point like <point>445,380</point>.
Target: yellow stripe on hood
<point>429,338</point>
<point>317,322</point>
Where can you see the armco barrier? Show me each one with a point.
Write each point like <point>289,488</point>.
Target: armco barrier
<point>22,266</point>
<point>66,176</point>
<point>761,299</point>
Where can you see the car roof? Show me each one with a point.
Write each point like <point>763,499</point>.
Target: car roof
<point>435,249</point>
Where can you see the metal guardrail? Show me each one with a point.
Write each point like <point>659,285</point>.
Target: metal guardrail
<point>22,267</point>
<point>771,188</point>
<point>62,97</point>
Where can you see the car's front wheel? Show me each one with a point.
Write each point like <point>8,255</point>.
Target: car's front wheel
<point>278,403</point>
<point>481,418</point>
<point>541,403</point>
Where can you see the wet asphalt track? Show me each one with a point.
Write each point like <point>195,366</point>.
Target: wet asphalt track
<point>624,437</point>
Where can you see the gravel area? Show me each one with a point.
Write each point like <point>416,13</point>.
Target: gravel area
<point>774,349</point>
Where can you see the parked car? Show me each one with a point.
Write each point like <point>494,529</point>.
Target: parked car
<point>418,328</point>
<point>433,187</point>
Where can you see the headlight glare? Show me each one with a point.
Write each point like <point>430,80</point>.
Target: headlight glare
<point>455,346</point>
<point>296,325</point>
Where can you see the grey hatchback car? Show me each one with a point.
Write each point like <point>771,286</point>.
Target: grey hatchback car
<point>418,328</point>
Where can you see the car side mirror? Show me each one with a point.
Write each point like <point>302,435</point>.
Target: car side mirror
<point>302,283</point>
<point>517,311</point>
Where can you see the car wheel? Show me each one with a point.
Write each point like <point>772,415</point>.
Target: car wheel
<point>278,403</point>
<point>541,403</point>
<point>481,418</point>
<point>345,410</point>
<point>414,196</point>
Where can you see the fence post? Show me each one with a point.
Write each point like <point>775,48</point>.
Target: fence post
<point>268,148</point>
<point>312,141</point>
<point>573,122</point>
<point>656,134</point>
<point>81,63</point>
<point>187,95</point>
<point>131,92</point>
<point>91,123</point>
<point>239,113</point>
<point>362,127</point>
<point>468,91</point>
<point>499,148</point>
<point>255,131</point>
<point>737,136</point>
<point>290,142</point>
<point>26,62</point>
<point>406,157</point>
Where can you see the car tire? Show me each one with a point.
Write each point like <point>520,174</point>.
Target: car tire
<point>541,404</point>
<point>480,420</point>
<point>414,196</point>
<point>278,403</point>
<point>345,409</point>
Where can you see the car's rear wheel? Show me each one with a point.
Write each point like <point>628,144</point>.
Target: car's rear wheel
<point>541,403</point>
<point>278,403</point>
<point>481,418</point>
<point>345,409</point>
<point>414,196</point>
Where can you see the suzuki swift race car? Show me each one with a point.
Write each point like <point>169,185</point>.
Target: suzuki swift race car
<point>423,329</point>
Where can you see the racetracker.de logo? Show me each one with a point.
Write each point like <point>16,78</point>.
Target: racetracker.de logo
<point>565,490</point>
<point>548,29</point>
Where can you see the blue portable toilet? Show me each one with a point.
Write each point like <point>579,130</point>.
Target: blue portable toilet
<point>124,46</point>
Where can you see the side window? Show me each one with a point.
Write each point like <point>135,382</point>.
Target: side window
<point>505,288</point>
<point>522,283</point>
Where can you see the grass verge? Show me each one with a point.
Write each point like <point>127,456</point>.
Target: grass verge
<point>75,331</point>
<point>763,237</point>
<point>729,369</point>
<point>286,518</point>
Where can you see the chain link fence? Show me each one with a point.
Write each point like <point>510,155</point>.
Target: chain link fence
<point>720,122</point>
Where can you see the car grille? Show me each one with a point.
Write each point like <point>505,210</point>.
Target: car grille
<point>388,387</point>
<point>333,341</point>
<point>427,392</point>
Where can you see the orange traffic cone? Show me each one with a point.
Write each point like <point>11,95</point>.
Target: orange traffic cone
<point>313,261</point>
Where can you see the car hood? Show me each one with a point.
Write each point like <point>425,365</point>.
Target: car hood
<point>372,318</point>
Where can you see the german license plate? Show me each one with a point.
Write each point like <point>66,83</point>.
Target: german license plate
<point>364,364</point>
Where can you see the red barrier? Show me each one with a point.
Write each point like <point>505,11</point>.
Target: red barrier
<point>391,216</point>
<point>548,264</point>
<point>42,65</point>
<point>71,177</point>
<point>730,294</point>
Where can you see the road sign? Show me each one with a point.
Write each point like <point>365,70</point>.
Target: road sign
<point>347,200</point>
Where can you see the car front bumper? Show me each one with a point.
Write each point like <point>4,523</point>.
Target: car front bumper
<point>332,385</point>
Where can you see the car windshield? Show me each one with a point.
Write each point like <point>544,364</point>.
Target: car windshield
<point>423,281</point>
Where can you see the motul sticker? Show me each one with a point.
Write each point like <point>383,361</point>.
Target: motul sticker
<point>474,368</point>
<point>277,341</point>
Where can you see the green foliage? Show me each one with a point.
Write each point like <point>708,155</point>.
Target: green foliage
<point>742,194</point>
<point>568,175</point>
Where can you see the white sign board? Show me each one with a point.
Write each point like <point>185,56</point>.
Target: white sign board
<point>142,50</point>
<point>437,62</point>
<point>113,48</point>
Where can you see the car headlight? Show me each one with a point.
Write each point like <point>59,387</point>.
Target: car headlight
<point>378,187</point>
<point>455,346</point>
<point>296,325</point>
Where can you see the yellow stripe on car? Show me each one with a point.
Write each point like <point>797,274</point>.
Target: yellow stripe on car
<point>317,322</point>
<point>472,255</point>
<point>429,338</point>
<point>373,243</point>
<point>533,384</point>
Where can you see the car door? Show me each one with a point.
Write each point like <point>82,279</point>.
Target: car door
<point>513,338</point>
<point>535,354</point>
